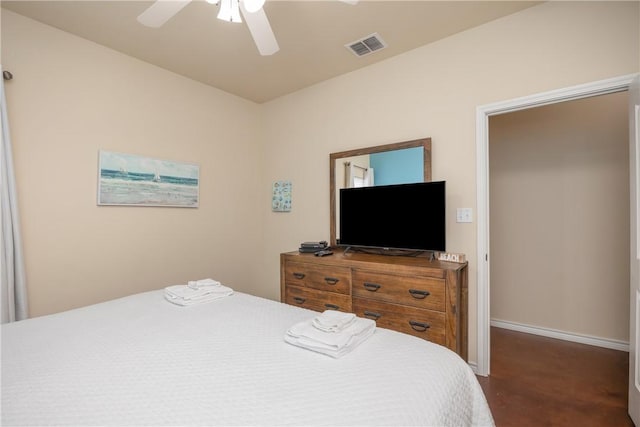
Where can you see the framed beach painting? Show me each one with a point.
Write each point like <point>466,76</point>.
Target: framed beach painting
<point>130,180</point>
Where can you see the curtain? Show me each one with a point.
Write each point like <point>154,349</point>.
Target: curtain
<point>14,292</point>
<point>356,176</point>
<point>348,174</point>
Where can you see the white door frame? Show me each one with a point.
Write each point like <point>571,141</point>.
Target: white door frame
<point>602,87</point>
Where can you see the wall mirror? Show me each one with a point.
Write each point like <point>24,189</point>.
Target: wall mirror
<point>398,163</point>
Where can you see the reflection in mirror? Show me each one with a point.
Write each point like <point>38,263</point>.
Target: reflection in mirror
<point>399,163</point>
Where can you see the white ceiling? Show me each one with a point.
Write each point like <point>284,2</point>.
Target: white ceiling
<point>311,35</point>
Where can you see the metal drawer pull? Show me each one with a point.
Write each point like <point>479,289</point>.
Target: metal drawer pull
<point>419,294</point>
<point>371,287</point>
<point>332,306</point>
<point>373,315</point>
<point>299,275</point>
<point>299,300</point>
<point>419,326</point>
<point>331,280</point>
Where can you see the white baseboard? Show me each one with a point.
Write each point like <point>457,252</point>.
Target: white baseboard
<point>474,367</point>
<point>562,335</point>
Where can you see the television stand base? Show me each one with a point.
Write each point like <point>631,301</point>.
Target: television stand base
<point>431,255</point>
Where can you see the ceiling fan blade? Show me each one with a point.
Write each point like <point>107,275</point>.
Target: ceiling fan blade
<point>261,31</point>
<point>161,11</point>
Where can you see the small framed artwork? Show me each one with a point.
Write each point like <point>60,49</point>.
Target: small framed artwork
<point>281,199</point>
<point>130,180</point>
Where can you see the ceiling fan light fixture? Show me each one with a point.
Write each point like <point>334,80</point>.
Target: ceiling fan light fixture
<point>213,1</point>
<point>229,11</point>
<point>253,6</point>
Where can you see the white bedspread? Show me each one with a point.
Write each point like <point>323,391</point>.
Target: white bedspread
<point>141,360</point>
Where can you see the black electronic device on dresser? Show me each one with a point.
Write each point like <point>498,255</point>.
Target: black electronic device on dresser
<point>401,216</point>
<point>313,247</point>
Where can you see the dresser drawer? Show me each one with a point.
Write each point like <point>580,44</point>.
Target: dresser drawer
<point>321,277</point>
<point>422,323</point>
<point>317,300</point>
<point>421,292</point>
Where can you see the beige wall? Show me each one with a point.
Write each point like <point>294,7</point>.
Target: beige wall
<point>433,92</point>
<point>559,186</point>
<point>70,98</point>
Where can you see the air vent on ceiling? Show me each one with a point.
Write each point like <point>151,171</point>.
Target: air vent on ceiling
<point>366,45</point>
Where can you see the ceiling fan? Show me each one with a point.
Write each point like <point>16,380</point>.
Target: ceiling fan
<point>163,10</point>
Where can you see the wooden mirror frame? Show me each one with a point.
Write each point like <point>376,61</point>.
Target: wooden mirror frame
<point>425,143</point>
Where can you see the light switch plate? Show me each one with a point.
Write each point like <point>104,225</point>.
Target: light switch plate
<point>464,215</point>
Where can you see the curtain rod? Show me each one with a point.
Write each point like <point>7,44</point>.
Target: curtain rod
<point>355,166</point>
<point>7,75</point>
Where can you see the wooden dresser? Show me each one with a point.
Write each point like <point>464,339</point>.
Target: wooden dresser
<point>413,295</point>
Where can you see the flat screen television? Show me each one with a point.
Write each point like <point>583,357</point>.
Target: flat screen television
<point>402,216</point>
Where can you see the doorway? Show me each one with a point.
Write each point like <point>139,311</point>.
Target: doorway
<point>482,155</point>
<point>559,233</point>
<point>559,226</point>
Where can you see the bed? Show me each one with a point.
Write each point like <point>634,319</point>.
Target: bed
<point>141,360</point>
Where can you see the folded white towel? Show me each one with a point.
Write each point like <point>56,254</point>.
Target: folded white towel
<point>202,283</point>
<point>334,344</point>
<point>196,301</point>
<point>182,291</point>
<point>184,295</point>
<point>333,320</point>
